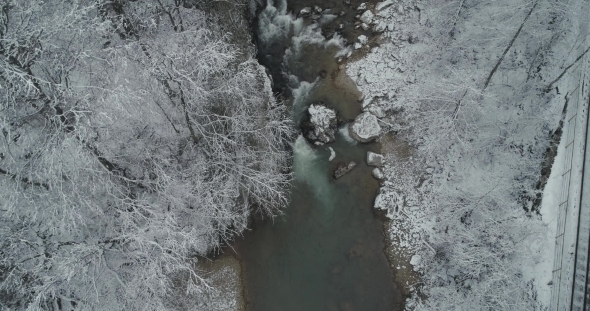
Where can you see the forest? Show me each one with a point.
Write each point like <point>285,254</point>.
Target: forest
<point>482,101</point>
<point>142,137</point>
<point>135,138</point>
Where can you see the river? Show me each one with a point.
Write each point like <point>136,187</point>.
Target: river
<point>327,251</point>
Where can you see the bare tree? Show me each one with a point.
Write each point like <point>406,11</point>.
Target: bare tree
<point>133,139</point>
<point>479,114</point>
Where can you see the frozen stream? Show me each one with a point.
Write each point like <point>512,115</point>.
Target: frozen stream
<point>326,252</point>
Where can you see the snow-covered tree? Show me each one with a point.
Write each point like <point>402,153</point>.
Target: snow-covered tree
<point>480,117</point>
<point>134,138</point>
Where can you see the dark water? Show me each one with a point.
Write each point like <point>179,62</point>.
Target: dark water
<point>327,251</point>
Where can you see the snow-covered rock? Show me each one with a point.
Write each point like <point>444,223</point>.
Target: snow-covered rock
<point>305,12</point>
<point>343,168</point>
<point>363,39</point>
<point>378,173</point>
<point>371,78</point>
<point>365,27</point>
<point>376,110</point>
<point>383,5</point>
<point>365,127</point>
<point>380,27</point>
<point>383,202</point>
<point>321,124</point>
<point>374,159</point>
<point>316,16</point>
<point>367,17</point>
<point>321,116</point>
<point>416,260</point>
<point>385,14</point>
<point>387,200</point>
<point>362,7</point>
<point>332,154</point>
<point>367,100</point>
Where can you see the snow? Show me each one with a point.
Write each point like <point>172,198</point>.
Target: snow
<point>566,236</point>
<point>541,270</point>
<point>365,127</point>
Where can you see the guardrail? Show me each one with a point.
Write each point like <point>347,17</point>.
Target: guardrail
<point>579,300</point>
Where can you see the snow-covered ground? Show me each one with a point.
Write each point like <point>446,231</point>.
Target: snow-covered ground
<point>462,86</point>
<point>540,271</point>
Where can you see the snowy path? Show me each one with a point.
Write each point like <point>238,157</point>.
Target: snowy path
<point>570,272</point>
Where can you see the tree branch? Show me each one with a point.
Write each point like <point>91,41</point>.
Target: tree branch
<point>508,47</point>
<point>24,180</point>
<point>550,86</point>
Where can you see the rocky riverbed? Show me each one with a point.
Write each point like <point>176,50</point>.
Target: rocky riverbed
<point>327,252</point>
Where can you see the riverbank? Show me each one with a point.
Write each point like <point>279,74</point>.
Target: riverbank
<point>364,67</point>
<point>474,108</point>
<point>225,276</point>
<point>324,79</point>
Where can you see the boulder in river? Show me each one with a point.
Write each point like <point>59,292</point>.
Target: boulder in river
<point>320,125</point>
<point>316,16</point>
<point>378,173</point>
<point>374,159</point>
<point>343,168</point>
<point>365,127</point>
